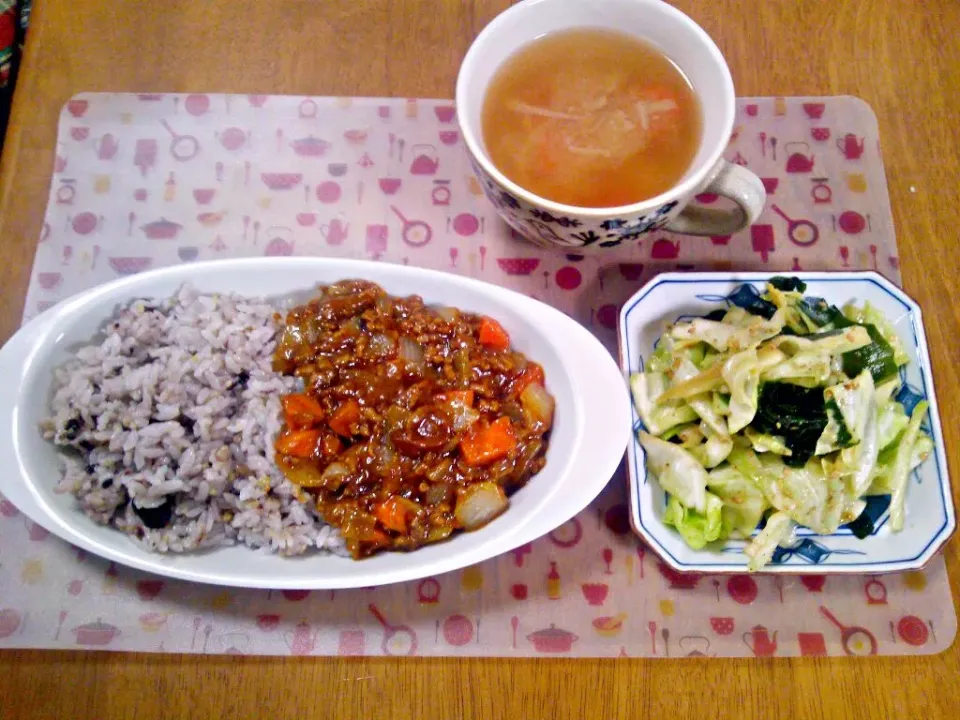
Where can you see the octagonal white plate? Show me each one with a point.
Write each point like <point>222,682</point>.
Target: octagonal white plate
<point>930,518</point>
<point>591,428</point>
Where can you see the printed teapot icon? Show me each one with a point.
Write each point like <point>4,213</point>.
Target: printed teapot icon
<point>797,161</point>
<point>760,641</point>
<point>425,160</point>
<point>851,146</point>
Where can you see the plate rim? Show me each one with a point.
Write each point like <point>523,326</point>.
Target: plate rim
<point>550,514</point>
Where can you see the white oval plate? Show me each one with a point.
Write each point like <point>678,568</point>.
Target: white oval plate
<point>591,430</point>
<point>930,517</point>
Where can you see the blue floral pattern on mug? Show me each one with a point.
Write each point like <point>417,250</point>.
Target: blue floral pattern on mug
<point>547,229</point>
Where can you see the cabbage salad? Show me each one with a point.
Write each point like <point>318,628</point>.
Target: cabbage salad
<point>777,412</point>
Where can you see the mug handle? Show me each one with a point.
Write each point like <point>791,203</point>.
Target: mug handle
<point>736,183</point>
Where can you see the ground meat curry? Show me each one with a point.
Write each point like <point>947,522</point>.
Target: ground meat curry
<point>413,421</point>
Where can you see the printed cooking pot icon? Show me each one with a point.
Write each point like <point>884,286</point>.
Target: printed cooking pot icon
<point>95,633</point>
<point>552,640</point>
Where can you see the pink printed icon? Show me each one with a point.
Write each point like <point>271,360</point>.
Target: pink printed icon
<point>743,589</point>
<point>851,146</point>
<point>415,233</point>
<point>336,232</point>
<point>85,223</point>
<point>595,593</point>
<point>107,147</point>
<point>197,105</point>
<point>329,192</point>
<point>376,242</point>
<point>568,278</point>
<point>389,186</point>
<point>445,113</point>
<point>310,147</point>
<point>812,644</point>
<point>77,108</point>
<point>303,639</point>
<point>145,155</point>
<point>425,160</point>
<point>233,138</point>
<point>761,238</point>
<point>466,224</point>
<point>457,630</point>
<point>351,642</point>
<point>799,159</point>
<point>663,249</point>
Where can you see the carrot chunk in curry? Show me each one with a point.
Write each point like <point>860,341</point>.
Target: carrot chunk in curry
<point>413,422</point>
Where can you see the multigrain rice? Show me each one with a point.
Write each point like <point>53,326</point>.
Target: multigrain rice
<point>169,424</point>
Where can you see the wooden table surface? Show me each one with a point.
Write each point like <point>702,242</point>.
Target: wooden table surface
<point>895,54</point>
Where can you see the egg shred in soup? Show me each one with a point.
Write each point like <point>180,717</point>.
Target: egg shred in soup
<point>591,118</point>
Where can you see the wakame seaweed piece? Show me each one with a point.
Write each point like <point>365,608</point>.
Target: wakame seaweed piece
<point>715,315</point>
<point>861,527</point>
<point>788,284</point>
<point>877,357</point>
<point>748,297</point>
<point>796,413</point>
<point>823,314</point>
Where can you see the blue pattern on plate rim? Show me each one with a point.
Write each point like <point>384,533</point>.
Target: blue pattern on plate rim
<point>807,550</point>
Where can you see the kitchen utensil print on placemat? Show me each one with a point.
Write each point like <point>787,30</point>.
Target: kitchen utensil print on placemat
<point>388,180</point>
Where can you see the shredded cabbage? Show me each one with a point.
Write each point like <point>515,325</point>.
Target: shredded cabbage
<point>780,405</point>
<point>677,471</point>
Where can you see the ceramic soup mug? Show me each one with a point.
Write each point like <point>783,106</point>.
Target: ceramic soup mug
<point>568,227</point>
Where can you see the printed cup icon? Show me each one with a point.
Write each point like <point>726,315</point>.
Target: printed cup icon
<point>203,196</point>
<point>770,184</point>
<point>722,625</point>
<point>595,593</point>
<point>389,186</point>
<point>812,644</point>
<point>77,108</point>
<point>444,113</point>
<point>9,622</point>
<point>351,642</point>
<point>814,583</point>
<point>268,622</point>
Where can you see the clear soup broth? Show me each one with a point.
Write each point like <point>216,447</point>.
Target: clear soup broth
<point>591,118</point>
